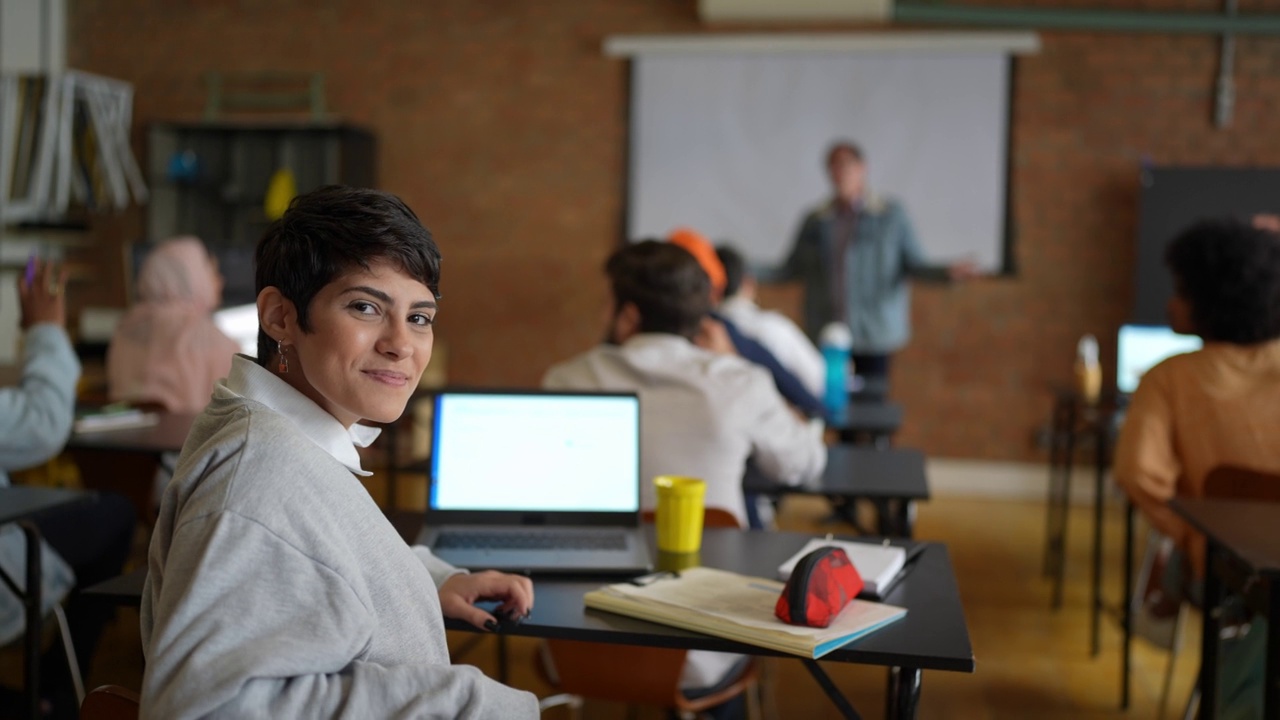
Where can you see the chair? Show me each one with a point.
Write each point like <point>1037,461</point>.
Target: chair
<point>110,702</point>
<point>637,675</point>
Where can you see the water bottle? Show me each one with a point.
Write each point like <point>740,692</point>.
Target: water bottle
<point>1088,370</point>
<point>836,343</point>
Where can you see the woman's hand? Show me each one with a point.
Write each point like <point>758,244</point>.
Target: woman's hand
<point>42,299</point>
<point>460,593</point>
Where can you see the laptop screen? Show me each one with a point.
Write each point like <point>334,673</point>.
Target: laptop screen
<point>240,323</point>
<point>1142,347</point>
<point>536,452</point>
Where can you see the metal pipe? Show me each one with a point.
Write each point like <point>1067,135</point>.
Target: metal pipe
<point>1224,103</point>
<point>1103,20</point>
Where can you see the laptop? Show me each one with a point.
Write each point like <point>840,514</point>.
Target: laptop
<point>1142,347</point>
<point>536,482</point>
<point>240,323</point>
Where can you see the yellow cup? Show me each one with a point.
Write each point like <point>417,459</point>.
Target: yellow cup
<point>679,514</point>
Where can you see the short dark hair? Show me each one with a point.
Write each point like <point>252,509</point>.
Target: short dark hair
<point>331,231</point>
<point>844,147</point>
<point>664,282</point>
<point>735,269</point>
<point>1229,273</point>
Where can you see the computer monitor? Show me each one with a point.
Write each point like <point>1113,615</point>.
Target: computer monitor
<point>240,323</point>
<point>1142,347</point>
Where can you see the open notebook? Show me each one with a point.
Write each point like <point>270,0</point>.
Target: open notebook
<point>737,607</point>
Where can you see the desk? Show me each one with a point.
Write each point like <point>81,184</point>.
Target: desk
<point>1243,548</point>
<point>167,435</point>
<point>933,635</point>
<point>894,479</point>
<point>20,504</point>
<point>874,420</point>
<point>1072,420</point>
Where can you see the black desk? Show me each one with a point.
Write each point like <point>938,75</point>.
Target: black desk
<point>933,635</point>
<point>167,435</point>
<point>20,504</point>
<point>873,420</point>
<point>894,479</point>
<point>1244,554</point>
<point>1075,422</point>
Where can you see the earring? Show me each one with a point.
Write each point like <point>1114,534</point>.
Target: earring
<point>283,366</point>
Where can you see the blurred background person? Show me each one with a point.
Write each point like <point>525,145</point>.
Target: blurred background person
<point>166,351</point>
<point>770,328</point>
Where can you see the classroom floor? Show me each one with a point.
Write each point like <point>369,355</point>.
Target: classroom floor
<point>1031,662</point>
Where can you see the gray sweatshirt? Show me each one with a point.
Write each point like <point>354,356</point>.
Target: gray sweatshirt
<point>276,587</point>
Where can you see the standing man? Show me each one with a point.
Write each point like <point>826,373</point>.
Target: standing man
<point>854,255</point>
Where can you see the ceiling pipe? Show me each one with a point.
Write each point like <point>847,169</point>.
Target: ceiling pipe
<point>1094,20</point>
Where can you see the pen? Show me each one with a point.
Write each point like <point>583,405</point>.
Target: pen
<point>31,269</point>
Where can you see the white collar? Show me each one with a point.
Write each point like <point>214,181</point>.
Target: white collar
<point>249,380</point>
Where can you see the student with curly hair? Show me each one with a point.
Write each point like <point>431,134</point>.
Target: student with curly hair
<point>1219,405</point>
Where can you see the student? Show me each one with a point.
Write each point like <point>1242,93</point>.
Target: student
<point>1219,405</point>
<point>775,331</point>
<point>85,542</point>
<point>276,587</point>
<point>166,350</point>
<point>703,414</point>
<point>719,331</point>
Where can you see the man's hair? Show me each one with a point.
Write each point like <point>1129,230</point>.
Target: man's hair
<point>735,269</point>
<point>843,147</point>
<point>1229,273</point>
<point>331,231</point>
<point>664,282</point>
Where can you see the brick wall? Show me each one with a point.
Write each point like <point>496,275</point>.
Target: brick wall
<point>503,125</point>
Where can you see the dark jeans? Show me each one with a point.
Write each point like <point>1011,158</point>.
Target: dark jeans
<point>871,365</point>
<point>95,539</point>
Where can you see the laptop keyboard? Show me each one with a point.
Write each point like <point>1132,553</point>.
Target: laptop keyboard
<point>541,540</point>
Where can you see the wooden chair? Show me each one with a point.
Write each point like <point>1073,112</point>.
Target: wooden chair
<point>110,702</point>
<point>635,675</point>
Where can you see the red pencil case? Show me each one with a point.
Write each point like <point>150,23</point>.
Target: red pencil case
<point>822,583</point>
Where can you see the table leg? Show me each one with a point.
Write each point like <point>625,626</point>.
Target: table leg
<point>1271,699</point>
<point>1064,505</point>
<point>1099,503</point>
<point>908,703</point>
<point>907,518</point>
<point>1127,609</point>
<point>1210,635</point>
<point>1055,451</point>
<point>32,600</point>
<point>891,682</point>
<point>824,681</point>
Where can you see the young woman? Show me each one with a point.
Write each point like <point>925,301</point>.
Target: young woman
<point>276,587</point>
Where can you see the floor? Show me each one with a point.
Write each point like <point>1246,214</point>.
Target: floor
<point>1031,662</point>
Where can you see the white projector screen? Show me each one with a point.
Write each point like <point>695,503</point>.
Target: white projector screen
<point>732,144</point>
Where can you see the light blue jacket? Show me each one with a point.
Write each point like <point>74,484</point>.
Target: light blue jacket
<point>35,421</point>
<point>883,256</point>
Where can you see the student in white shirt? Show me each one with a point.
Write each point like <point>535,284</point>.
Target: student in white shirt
<point>770,328</point>
<point>702,413</point>
<point>275,586</point>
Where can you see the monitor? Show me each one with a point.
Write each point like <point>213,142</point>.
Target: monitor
<point>1142,347</point>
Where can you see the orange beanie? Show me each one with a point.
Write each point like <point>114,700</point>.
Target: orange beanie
<point>701,249</point>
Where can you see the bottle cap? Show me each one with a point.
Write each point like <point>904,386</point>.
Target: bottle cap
<point>1087,349</point>
<point>837,335</point>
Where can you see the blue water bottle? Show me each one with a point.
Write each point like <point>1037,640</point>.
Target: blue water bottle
<point>836,343</point>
